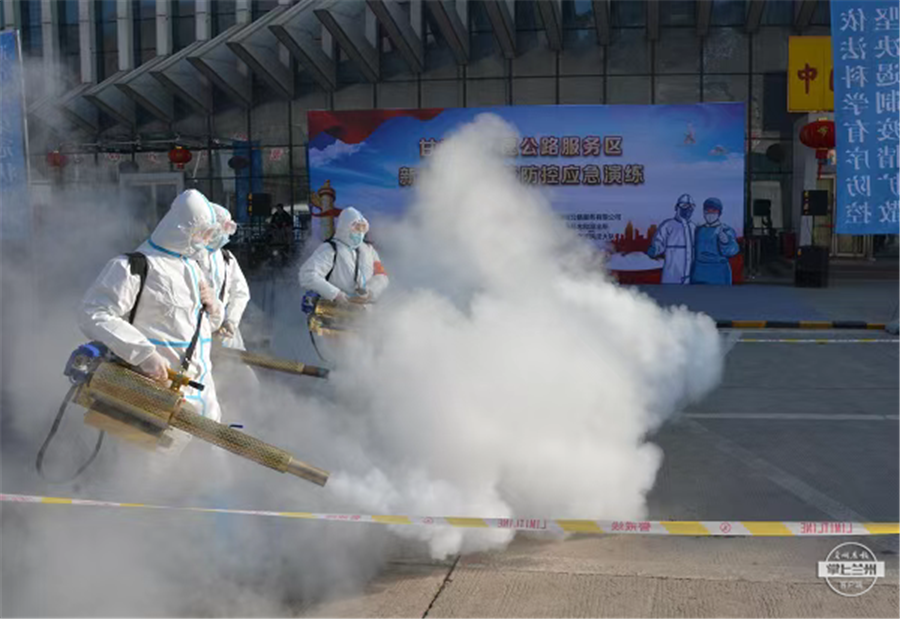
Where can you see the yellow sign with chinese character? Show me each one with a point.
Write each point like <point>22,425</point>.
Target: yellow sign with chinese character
<point>810,75</point>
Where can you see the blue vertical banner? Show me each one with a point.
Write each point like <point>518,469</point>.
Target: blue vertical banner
<point>865,42</point>
<point>15,207</point>
<point>247,180</point>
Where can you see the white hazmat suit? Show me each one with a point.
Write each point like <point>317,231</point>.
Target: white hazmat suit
<point>167,313</point>
<point>227,280</point>
<point>353,266</point>
<point>674,239</point>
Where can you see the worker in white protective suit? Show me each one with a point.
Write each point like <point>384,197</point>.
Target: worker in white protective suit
<point>227,279</point>
<point>151,323</point>
<point>674,241</point>
<point>345,268</point>
<point>237,382</point>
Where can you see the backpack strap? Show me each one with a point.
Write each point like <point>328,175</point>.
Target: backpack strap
<point>334,262</point>
<point>137,263</point>
<point>228,257</point>
<point>189,353</point>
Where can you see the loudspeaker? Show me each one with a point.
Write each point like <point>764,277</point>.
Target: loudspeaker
<point>262,204</point>
<point>762,208</point>
<point>811,267</point>
<point>815,202</point>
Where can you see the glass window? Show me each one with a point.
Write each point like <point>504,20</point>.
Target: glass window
<point>223,20</point>
<point>106,10</point>
<point>68,40</point>
<point>678,51</point>
<point>778,13</point>
<point>527,17</point>
<point>677,89</point>
<point>147,55</point>
<point>629,14</point>
<point>731,12</point>
<point>183,8</point>
<point>678,12</point>
<point>261,7</point>
<point>33,41</point>
<point>628,90</point>
<point>822,14</point>
<point>770,49</point>
<point>578,14</point>
<point>71,68</point>
<point>109,64</point>
<point>145,9</point>
<point>67,12</point>
<point>725,88</point>
<point>109,37</point>
<point>183,32</point>
<point>147,29</point>
<point>629,53</point>
<point>725,50</point>
<point>31,13</point>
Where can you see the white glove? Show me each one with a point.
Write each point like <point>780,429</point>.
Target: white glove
<point>226,331</point>
<point>341,298</point>
<point>361,299</point>
<point>155,366</point>
<point>212,305</point>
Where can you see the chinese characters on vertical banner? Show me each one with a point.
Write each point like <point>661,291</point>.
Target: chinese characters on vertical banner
<point>865,41</point>
<point>15,211</point>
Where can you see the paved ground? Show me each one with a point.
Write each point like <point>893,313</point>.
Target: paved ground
<point>843,299</point>
<point>796,432</point>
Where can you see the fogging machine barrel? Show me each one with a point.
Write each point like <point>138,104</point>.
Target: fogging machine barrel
<point>131,399</point>
<point>270,363</point>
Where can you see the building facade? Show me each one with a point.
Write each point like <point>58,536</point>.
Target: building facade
<point>115,85</point>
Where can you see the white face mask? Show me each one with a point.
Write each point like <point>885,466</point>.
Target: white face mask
<point>711,218</point>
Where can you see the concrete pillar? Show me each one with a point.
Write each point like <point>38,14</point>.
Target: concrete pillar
<point>12,14</point>
<point>125,34</point>
<point>50,36</point>
<point>242,14</point>
<point>163,27</point>
<point>87,41</point>
<point>203,20</point>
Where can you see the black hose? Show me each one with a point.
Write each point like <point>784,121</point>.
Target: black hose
<point>312,338</point>
<point>39,462</point>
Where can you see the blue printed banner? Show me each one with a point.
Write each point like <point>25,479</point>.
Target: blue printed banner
<point>658,188</point>
<point>865,41</point>
<point>15,209</point>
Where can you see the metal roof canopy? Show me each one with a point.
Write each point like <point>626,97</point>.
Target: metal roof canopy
<point>215,60</point>
<point>180,78</point>
<point>113,101</point>
<point>140,86</point>
<point>258,47</point>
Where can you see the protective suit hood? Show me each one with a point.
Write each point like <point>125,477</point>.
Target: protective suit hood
<point>347,218</point>
<point>189,214</point>
<point>226,228</point>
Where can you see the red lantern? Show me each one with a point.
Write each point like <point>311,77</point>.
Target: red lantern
<point>56,159</point>
<point>819,135</point>
<point>179,156</point>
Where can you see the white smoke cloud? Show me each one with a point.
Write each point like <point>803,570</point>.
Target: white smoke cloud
<point>503,375</point>
<point>512,377</point>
